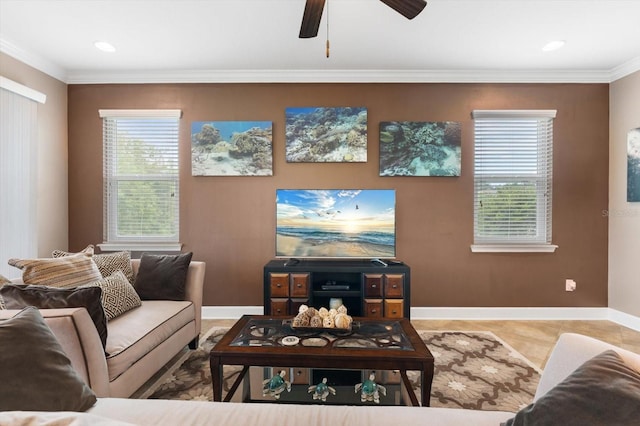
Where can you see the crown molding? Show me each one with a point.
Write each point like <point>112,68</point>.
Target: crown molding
<point>32,60</point>
<point>625,69</point>
<point>339,76</point>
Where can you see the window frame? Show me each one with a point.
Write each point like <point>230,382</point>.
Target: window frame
<point>113,242</point>
<point>542,180</point>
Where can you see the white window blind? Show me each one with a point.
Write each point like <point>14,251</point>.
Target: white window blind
<point>18,173</point>
<point>141,176</point>
<point>513,179</point>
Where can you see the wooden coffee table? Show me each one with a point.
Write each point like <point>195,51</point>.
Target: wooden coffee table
<point>372,344</point>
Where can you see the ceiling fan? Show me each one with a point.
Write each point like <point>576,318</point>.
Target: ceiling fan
<point>313,13</point>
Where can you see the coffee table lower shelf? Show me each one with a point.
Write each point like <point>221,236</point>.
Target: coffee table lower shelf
<point>346,394</point>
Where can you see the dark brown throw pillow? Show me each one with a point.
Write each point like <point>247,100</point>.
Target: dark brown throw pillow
<point>602,391</point>
<point>18,296</point>
<point>162,277</point>
<point>36,374</point>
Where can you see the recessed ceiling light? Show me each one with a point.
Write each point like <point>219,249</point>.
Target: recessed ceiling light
<point>104,46</point>
<point>553,45</point>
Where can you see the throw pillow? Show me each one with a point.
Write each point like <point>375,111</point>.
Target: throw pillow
<point>107,263</point>
<point>69,271</point>
<point>118,296</point>
<point>602,391</point>
<point>4,280</point>
<point>36,374</point>
<point>18,296</point>
<point>162,277</point>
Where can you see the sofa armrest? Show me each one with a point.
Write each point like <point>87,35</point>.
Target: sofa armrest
<point>194,286</point>
<point>80,341</point>
<point>570,352</point>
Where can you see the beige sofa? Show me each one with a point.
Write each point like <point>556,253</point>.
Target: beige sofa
<point>139,342</point>
<point>570,352</point>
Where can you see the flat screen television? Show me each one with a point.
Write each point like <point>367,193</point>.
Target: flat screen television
<point>335,223</point>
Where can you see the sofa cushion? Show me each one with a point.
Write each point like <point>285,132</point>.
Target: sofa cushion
<point>18,296</point>
<point>35,373</point>
<point>68,271</point>
<point>602,391</point>
<point>107,263</point>
<point>135,333</point>
<point>162,277</point>
<point>118,295</point>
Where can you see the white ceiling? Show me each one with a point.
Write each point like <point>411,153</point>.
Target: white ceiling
<point>257,40</point>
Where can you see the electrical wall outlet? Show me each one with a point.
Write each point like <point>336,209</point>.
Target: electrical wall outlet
<point>570,285</point>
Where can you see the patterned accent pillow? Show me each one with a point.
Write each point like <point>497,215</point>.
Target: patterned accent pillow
<point>118,295</point>
<point>68,271</point>
<point>4,280</point>
<point>108,263</point>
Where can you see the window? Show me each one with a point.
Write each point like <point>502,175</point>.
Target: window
<point>513,180</point>
<point>141,179</point>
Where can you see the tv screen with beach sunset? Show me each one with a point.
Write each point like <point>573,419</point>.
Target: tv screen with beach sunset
<point>335,223</point>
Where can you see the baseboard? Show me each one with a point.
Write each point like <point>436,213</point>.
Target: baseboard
<point>624,319</point>
<point>510,313</point>
<point>478,314</point>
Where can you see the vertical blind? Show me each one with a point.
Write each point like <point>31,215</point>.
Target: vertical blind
<point>141,175</point>
<point>513,176</point>
<point>18,179</point>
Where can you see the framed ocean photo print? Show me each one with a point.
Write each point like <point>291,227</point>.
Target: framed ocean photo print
<point>633,165</point>
<point>232,148</point>
<point>326,135</point>
<point>415,148</point>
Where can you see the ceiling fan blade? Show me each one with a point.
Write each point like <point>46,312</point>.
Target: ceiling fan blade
<point>407,8</point>
<point>311,18</point>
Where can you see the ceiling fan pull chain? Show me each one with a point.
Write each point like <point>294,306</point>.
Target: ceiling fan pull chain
<point>327,49</point>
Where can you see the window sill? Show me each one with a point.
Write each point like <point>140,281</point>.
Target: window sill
<point>513,248</point>
<point>140,246</point>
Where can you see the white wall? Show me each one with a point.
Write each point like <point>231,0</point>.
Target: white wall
<point>53,204</point>
<point>624,217</point>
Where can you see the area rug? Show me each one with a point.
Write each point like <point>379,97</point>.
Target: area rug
<point>474,370</point>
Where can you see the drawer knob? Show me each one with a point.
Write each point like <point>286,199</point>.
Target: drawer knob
<point>299,285</point>
<point>278,310</point>
<point>373,286</point>
<point>395,286</point>
<point>278,285</point>
<point>373,311</point>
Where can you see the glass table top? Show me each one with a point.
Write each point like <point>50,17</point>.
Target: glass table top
<point>379,334</point>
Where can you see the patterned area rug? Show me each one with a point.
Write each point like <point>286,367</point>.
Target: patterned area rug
<point>474,370</point>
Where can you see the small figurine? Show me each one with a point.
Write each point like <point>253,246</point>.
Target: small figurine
<point>371,390</point>
<point>276,385</point>
<point>321,391</point>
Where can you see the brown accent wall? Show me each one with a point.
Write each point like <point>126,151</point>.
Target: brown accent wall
<point>229,222</point>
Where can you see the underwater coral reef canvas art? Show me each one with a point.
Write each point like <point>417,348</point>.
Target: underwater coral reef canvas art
<point>232,148</point>
<point>413,148</point>
<point>633,165</point>
<point>326,135</point>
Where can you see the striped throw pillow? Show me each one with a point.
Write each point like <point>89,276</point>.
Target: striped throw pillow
<point>108,263</point>
<point>68,271</point>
